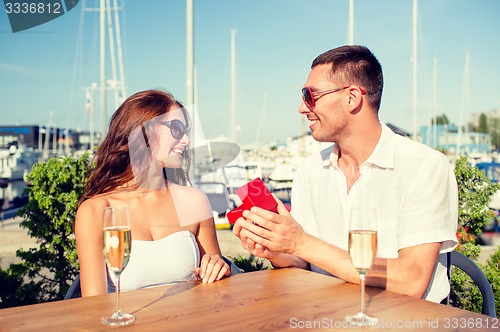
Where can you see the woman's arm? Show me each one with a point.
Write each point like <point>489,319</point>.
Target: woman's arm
<point>212,266</point>
<point>89,246</point>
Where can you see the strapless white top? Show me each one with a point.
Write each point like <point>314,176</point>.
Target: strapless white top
<point>169,259</point>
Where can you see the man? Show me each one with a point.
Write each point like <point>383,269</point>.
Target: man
<point>412,186</point>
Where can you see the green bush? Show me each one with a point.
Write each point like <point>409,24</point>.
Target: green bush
<point>474,194</point>
<point>492,272</point>
<point>464,293</point>
<point>249,264</point>
<point>45,273</point>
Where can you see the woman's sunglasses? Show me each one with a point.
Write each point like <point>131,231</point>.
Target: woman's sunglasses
<point>177,128</point>
<point>309,97</point>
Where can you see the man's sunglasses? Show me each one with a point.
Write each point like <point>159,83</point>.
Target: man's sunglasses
<point>177,128</point>
<point>309,97</point>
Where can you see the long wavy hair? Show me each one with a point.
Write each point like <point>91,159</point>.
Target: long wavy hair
<point>111,167</point>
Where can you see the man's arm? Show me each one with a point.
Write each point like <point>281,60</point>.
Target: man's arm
<point>279,238</point>
<point>409,274</point>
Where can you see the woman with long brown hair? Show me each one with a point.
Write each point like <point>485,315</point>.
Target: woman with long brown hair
<point>142,164</point>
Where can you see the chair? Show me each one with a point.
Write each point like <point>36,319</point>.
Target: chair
<point>74,290</point>
<point>474,272</point>
<point>234,268</point>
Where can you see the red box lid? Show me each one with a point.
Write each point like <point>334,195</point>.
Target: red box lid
<point>254,193</point>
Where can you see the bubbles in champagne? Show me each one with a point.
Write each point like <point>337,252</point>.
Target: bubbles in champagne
<point>362,248</point>
<point>117,245</point>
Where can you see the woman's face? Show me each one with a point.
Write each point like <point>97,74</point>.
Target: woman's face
<point>169,138</point>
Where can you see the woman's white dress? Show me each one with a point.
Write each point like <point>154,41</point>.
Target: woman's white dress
<point>162,261</point>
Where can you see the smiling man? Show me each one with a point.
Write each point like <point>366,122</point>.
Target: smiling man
<point>412,187</point>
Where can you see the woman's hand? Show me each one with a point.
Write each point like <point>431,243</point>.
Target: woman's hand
<point>212,268</point>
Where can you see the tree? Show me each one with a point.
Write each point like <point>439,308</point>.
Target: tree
<point>441,120</point>
<point>483,123</point>
<point>494,131</point>
<point>45,273</point>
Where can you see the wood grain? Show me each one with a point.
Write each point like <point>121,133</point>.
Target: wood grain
<point>266,300</point>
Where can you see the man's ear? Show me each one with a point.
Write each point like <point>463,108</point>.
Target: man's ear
<point>355,97</point>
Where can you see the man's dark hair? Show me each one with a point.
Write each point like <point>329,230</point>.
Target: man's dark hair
<point>354,64</point>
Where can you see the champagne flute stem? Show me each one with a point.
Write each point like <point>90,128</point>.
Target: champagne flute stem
<point>362,283</point>
<point>118,312</point>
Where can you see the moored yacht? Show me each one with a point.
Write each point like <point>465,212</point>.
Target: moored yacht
<point>15,162</point>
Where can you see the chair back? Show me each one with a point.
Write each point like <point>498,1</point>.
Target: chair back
<point>474,272</point>
<point>234,268</point>
<point>74,290</point>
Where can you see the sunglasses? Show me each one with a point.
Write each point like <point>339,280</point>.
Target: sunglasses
<point>309,97</point>
<point>177,128</point>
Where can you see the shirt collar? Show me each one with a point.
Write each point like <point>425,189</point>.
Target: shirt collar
<point>382,156</point>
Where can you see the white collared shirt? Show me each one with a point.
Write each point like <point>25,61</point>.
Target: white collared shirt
<point>412,186</point>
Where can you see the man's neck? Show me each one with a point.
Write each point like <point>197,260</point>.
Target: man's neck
<point>355,150</point>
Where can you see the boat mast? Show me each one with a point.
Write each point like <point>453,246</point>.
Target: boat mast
<point>434,103</point>
<point>89,108</point>
<point>189,54</point>
<point>414,69</point>
<point>262,122</point>
<point>117,83</point>
<point>233,87</point>
<point>463,106</point>
<point>120,54</point>
<point>114,81</point>
<point>102,35</point>
<point>350,37</point>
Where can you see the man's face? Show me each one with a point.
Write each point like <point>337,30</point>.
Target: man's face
<point>328,118</point>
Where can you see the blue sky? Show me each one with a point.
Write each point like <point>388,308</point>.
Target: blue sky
<point>43,69</point>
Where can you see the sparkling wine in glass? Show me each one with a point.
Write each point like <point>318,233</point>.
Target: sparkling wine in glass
<point>117,246</point>
<point>362,250</point>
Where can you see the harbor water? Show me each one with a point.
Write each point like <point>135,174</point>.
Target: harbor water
<point>11,197</point>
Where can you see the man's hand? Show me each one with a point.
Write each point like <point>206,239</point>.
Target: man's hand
<point>269,235</point>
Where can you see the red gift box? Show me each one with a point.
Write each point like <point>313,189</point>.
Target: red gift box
<point>254,193</point>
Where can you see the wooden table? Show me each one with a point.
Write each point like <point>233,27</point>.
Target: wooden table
<point>286,299</point>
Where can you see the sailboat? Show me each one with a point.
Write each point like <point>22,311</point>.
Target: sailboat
<point>17,161</point>
<point>112,79</point>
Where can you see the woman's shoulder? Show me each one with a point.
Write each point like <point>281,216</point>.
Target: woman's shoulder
<point>89,217</point>
<point>97,202</point>
<point>191,203</point>
<point>90,208</point>
<point>187,192</point>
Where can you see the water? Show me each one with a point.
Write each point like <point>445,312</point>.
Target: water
<point>11,197</point>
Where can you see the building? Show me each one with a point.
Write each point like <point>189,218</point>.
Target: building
<point>36,137</point>
<point>16,135</point>
<point>449,138</point>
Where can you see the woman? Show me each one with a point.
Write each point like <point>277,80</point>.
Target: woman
<point>139,165</point>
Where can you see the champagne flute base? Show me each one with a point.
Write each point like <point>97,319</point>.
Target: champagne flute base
<point>118,319</point>
<point>362,319</point>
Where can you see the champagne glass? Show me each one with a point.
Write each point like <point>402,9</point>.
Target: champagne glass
<point>362,249</point>
<point>117,245</point>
